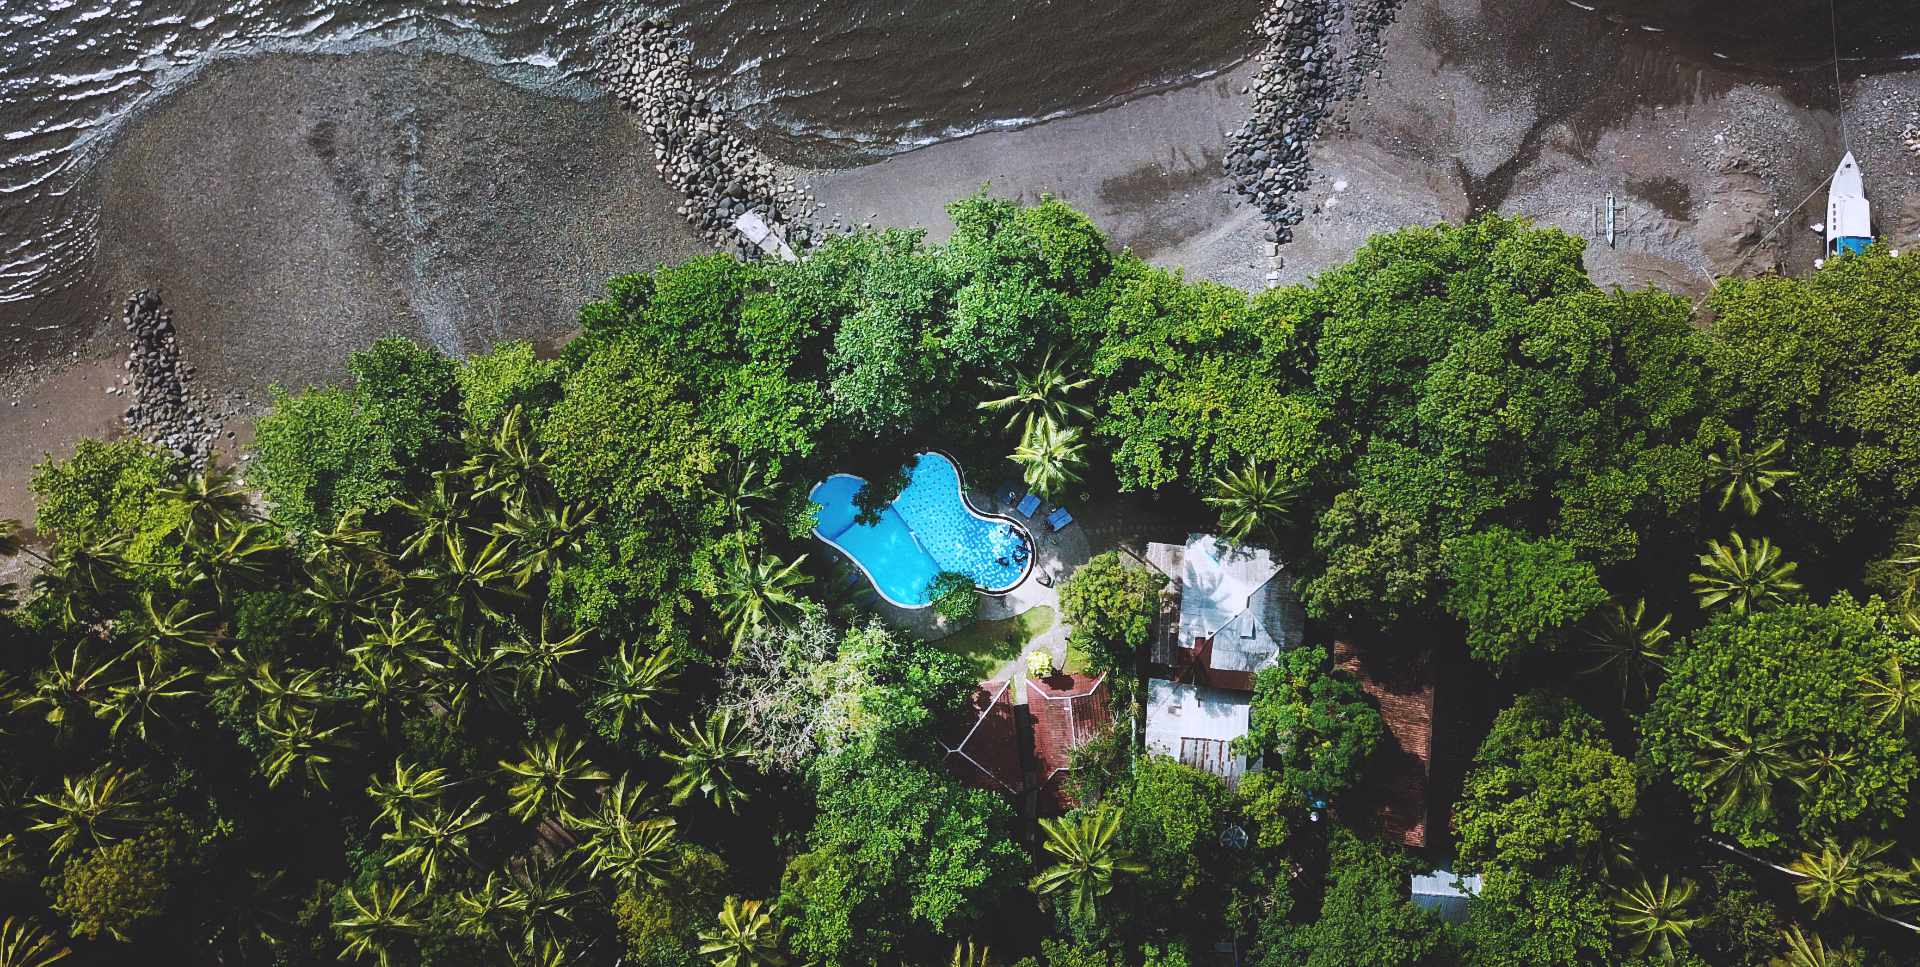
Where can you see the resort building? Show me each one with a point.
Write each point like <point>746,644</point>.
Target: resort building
<point>1225,614</point>
<point>1025,749</point>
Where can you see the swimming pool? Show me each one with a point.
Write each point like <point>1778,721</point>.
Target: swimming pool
<point>929,528</point>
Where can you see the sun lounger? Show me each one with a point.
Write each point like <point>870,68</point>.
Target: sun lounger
<point>1028,505</point>
<point>1059,518</point>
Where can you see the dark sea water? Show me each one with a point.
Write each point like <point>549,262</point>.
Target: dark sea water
<point>827,76</point>
<point>867,76</point>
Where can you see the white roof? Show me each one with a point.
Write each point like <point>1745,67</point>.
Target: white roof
<point>1177,711</point>
<point>1229,594</point>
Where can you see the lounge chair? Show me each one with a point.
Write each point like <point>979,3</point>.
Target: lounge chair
<point>1059,519</point>
<point>1029,504</point>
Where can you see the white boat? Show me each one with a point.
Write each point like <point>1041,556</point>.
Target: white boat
<point>1849,219</point>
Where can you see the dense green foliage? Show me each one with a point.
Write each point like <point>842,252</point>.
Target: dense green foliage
<point>1545,787</point>
<point>1310,724</point>
<point>1111,603</point>
<point>524,660</point>
<point>1762,722</point>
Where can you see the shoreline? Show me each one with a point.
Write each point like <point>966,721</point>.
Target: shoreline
<point>354,197</point>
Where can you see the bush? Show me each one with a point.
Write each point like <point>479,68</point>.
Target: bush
<point>1545,786</point>
<point>108,490</point>
<point>1111,605</point>
<point>952,594</point>
<point>114,890</point>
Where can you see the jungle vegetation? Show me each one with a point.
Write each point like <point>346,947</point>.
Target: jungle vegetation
<point>532,661</point>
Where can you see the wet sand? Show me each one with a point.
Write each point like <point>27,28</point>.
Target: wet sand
<point>292,209</point>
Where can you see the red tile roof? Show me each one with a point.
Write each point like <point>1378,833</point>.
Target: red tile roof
<point>983,747</point>
<point>1395,783</point>
<point>1066,712</point>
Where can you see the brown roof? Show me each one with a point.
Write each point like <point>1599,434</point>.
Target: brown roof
<point>1395,782</point>
<point>983,747</point>
<point>1066,712</point>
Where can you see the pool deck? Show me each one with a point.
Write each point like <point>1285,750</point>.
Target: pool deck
<point>1106,526</point>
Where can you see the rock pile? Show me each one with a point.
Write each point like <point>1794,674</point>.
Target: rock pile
<point>163,412</point>
<point>647,70</point>
<point>1308,68</point>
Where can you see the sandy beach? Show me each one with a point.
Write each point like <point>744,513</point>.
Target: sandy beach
<point>293,208</point>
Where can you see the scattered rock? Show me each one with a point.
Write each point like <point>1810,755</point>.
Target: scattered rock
<point>1310,64</point>
<point>646,69</point>
<point>164,412</point>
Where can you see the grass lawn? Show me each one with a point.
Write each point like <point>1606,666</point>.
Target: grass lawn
<point>991,644</point>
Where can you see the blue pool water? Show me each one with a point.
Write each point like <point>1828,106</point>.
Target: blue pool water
<point>926,530</point>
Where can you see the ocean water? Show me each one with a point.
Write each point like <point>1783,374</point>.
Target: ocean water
<point>831,77</point>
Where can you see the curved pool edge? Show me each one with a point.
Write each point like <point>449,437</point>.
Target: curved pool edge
<point>1033,557</point>
<point>966,502</point>
<point>855,559</point>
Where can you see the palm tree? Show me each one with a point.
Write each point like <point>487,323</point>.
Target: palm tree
<point>1252,502</point>
<point>230,560</point>
<point>1743,576</point>
<point>472,582</point>
<point>546,536</point>
<point>24,944</point>
<point>1748,477</point>
<point>1090,859</point>
<point>631,687</point>
<point>398,634</point>
<point>90,810</point>
<point>346,541</point>
<point>746,936</point>
<point>81,579</point>
<point>632,853</point>
<point>1050,457</point>
<point>707,760</point>
<point>340,598</point>
<point>383,689</point>
<point>542,664</point>
<point>66,692</point>
<point>506,464</point>
<point>971,955</point>
<point>553,778</point>
<point>1893,695</point>
<point>1043,396</point>
<point>213,501</point>
<point>543,898</point>
<point>408,795</point>
<point>1655,919</point>
<point>299,745</point>
<point>1822,763</point>
<point>379,922</point>
<point>137,704</point>
<point>630,844</point>
<point>437,515</point>
<point>745,492</point>
<point>756,591</point>
<point>438,837</point>
<point>471,669</point>
<point>298,695</point>
<point>1628,647</point>
<point>1851,875</point>
<point>1808,950</point>
<point>1741,770</point>
<point>178,626</point>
